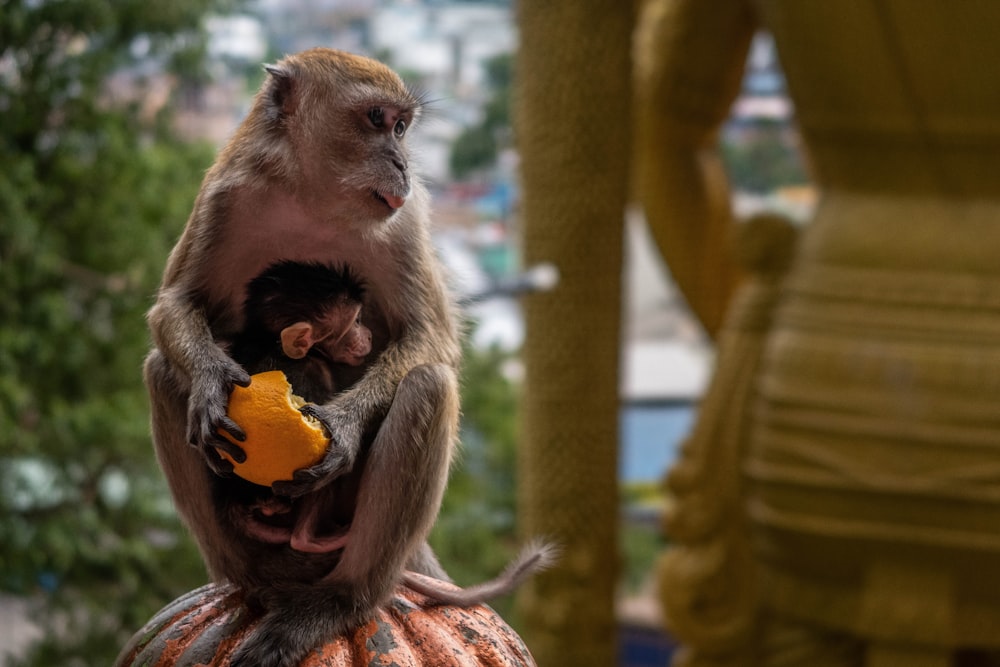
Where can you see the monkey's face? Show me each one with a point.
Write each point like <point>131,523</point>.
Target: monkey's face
<point>346,118</point>
<point>381,166</point>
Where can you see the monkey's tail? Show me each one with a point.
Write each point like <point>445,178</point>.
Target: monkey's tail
<point>534,557</point>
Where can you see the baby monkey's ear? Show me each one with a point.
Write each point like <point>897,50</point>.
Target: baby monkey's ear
<point>297,339</point>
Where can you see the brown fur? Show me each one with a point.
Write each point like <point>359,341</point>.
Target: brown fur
<point>314,175</point>
<point>309,177</point>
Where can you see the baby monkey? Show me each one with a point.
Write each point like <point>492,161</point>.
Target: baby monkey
<point>304,318</point>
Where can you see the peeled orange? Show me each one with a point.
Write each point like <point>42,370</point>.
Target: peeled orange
<point>280,439</point>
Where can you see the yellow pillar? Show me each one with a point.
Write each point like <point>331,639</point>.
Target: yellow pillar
<point>572,129</point>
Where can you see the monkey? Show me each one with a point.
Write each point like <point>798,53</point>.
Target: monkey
<point>318,171</point>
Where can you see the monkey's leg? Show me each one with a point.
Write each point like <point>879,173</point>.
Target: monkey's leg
<point>182,464</point>
<point>404,477</point>
<point>400,494</point>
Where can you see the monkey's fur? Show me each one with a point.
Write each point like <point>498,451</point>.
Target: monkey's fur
<point>317,172</point>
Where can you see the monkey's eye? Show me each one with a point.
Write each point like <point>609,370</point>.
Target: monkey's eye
<point>376,116</point>
<point>399,128</point>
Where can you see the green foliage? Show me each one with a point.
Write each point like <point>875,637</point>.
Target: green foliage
<point>475,535</point>
<point>641,544</point>
<point>93,193</point>
<point>641,535</point>
<point>474,148</point>
<point>477,146</point>
<point>764,160</point>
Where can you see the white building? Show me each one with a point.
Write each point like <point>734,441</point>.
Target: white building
<point>445,42</point>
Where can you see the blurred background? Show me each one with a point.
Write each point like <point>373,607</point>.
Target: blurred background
<point>110,112</point>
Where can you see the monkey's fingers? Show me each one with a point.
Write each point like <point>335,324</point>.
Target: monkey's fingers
<point>242,378</point>
<point>224,445</point>
<point>303,482</point>
<point>217,463</point>
<point>312,410</point>
<point>232,428</point>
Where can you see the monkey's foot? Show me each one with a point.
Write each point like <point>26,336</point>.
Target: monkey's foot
<point>318,522</point>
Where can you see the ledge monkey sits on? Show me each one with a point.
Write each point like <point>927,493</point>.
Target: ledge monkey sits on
<point>317,172</point>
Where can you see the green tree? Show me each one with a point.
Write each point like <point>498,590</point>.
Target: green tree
<point>477,146</point>
<point>764,159</point>
<point>93,192</point>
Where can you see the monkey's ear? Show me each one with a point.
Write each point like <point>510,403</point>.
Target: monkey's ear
<point>280,91</point>
<point>297,339</point>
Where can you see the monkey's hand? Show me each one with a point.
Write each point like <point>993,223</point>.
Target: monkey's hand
<point>207,407</point>
<point>344,429</point>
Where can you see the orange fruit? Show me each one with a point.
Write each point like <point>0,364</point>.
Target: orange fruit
<point>280,439</point>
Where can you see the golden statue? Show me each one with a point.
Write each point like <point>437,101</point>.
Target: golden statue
<point>838,502</point>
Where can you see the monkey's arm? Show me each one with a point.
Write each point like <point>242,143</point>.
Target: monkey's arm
<point>202,371</point>
<point>690,57</point>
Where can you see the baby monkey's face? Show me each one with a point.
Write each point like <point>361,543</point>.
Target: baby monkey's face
<point>338,334</point>
<point>345,339</point>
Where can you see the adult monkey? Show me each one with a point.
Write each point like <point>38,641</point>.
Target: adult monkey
<point>317,172</point>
